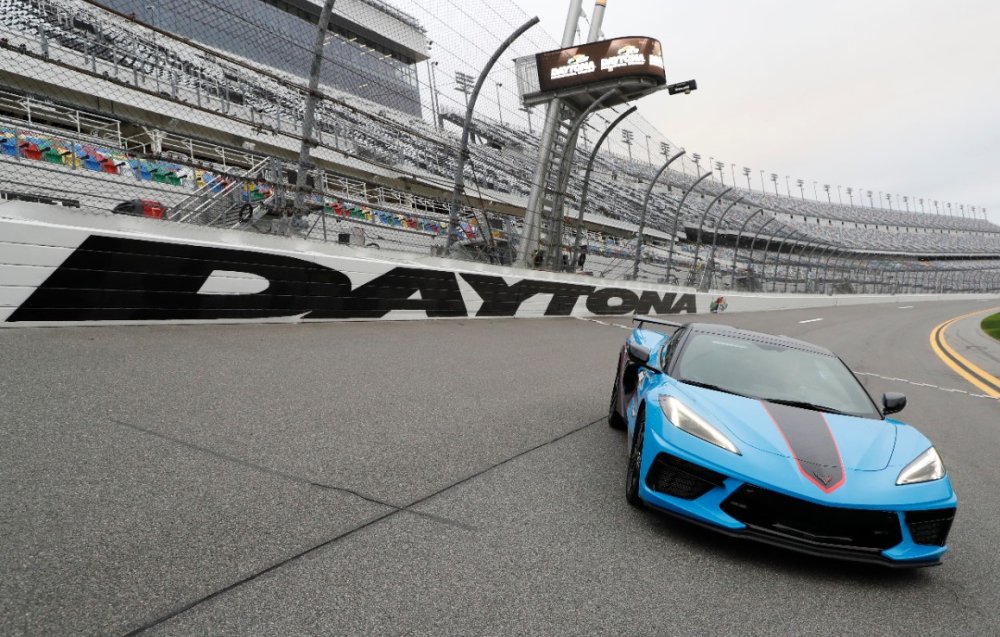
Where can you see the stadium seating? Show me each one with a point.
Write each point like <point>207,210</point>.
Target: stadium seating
<point>500,160</point>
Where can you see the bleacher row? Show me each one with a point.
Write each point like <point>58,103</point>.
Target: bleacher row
<point>498,164</point>
<point>32,146</point>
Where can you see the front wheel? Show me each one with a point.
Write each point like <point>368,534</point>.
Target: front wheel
<point>634,466</point>
<point>615,420</point>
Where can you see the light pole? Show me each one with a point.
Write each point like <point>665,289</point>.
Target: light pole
<point>527,111</point>
<point>802,192</point>
<point>774,178</point>
<point>673,228</point>
<point>499,106</point>
<point>788,261</point>
<point>627,137</point>
<point>815,196</point>
<point>840,198</point>
<point>767,249</point>
<point>756,236</point>
<point>762,182</point>
<point>817,288</point>
<point>850,195</point>
<point>826,268</point>
<point>826,187</point>
<point>463,149</point>
<point>906,202</point>
<point>435,105</point>
<point>464,83</point>
<point>739,235</point>
<point>649,155</point>
<point>696,158</point>
<point>642,217</point>
<point>746,173</point>
<point>872,205</point>
<point>309,115</point>
<point>701,224</point>
<point>788,267</point>
<point>554,253</point>
<point>586,180</point>
<point>151,10</point>
<point>732,171</point>
<point>788,187</point>
<point>665,149</point>
<point>722,176</point>
<point>715,240</point>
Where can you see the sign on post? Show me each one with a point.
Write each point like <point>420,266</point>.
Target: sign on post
<point>600,61</point>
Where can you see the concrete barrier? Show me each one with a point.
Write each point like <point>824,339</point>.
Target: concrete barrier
<point>65,267</point>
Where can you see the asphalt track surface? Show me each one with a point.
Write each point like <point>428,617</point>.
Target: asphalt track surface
<point>443,478</point>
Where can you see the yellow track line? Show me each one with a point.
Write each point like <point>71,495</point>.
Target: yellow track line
<point>981,379</point>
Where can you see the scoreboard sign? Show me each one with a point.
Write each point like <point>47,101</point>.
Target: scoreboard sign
<point>600,61</point>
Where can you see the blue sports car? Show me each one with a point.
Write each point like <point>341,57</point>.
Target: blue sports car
<point>774,439</point>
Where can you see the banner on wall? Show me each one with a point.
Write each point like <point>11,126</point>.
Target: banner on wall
<point>114,278</point>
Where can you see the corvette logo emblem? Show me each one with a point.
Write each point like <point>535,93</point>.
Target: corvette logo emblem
<point>825,478</point>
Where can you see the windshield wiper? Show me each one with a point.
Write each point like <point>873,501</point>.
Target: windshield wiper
<point>805,405</point>
<point>698,383</point>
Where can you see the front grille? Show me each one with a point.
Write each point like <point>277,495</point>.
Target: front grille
<point>680,478</point>
<point>813,523</point>
<point>930,527</point>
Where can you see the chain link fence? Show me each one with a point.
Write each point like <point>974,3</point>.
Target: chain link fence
<point>193,111</point>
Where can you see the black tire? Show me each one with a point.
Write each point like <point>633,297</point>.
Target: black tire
<point>615,420</point>
<point>634,463</point>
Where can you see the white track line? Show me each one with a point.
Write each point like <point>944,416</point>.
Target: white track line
<point>906,307</point>
<point>624,327</point>
<point>811,321</point>
<point>889,378</point>
<point>916,384</point>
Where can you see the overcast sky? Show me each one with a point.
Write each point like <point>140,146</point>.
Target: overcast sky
<point>898,96</point>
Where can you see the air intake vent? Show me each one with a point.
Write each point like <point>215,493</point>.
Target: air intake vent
<point>930,527</point>
<point>680,478</point>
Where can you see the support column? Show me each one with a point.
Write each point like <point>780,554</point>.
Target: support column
<point>532,223</point>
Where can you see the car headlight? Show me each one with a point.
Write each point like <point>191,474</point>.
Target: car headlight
<point>683,418</point>
<point>926,467</point>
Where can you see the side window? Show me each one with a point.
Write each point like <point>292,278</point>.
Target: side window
<point>669,348</point>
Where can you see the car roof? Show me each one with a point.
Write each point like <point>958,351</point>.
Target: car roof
<point>757,337</point>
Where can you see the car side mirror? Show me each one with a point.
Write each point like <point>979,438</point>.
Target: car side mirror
<point>637,353</point>
<point>893,402</point>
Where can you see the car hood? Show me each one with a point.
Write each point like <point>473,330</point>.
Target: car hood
<point>815,439</point>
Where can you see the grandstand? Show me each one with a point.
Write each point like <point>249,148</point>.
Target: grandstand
<point>199,105</point>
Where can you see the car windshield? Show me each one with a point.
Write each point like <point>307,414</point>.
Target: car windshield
<point>770,371</point>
